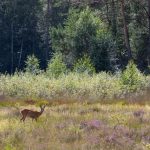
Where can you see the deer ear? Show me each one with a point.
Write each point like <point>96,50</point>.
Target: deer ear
<point>42,106</point>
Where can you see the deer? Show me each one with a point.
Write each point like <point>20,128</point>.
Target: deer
<point>32,114</point>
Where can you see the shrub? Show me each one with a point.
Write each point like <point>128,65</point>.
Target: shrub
<point>84,65</point>
<point>132,78</point>
<point>71,86</point>
<point>32,65</point>
<point>56,66</point>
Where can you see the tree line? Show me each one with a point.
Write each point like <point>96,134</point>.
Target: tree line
<point>110,32</point>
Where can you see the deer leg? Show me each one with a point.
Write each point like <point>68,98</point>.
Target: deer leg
<point>21,118</point>
<point>24,119</point>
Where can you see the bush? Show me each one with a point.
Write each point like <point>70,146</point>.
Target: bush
<point>75,86</point>
<point>71,86</point>
<point>132,78</point>
<point>56,66</point>
<point>32,65</point>
<point>84,65</point>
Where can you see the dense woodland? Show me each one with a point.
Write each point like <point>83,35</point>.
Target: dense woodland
<point>110,32</point>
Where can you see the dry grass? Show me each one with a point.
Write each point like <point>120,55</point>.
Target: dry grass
<point>60,128</point>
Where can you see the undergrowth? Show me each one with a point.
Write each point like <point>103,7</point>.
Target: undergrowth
<point>102,86</point>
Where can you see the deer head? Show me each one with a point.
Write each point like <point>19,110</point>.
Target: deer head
<point>42,108</point>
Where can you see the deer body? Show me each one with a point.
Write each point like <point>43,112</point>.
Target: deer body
<point>31,114</point>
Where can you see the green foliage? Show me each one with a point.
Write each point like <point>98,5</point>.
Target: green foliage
<point>131,77</point>
<point>32,65</point>
<point>71,86</point>
<point>84,33</point>
<point>84,65</point>
<point>9,147</point>
<point>56,34</point>
<point>56,66</point>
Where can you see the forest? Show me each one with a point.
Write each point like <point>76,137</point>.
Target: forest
<point>110,32</point>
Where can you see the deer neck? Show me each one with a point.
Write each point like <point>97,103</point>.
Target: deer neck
<point>41,112</point>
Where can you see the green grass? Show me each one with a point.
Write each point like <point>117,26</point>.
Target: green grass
<point>59,127</point>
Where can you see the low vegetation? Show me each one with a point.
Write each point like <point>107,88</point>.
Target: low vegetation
<point>75,86</point>
<point>79,83</point>
<point>77,126</point>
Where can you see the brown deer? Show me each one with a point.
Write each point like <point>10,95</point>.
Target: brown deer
<point>32,114</point>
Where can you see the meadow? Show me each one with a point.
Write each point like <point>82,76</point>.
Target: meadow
<point>77,126</point>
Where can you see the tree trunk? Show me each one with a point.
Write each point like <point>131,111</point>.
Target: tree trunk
<point>114,22</point>
<point>126,32</point>
<point>20,55</point>
<point>12,36</point>
<point>48,15</point>
<point>107,13</point>
<point>12,47</point>
<point>149,32</point>
<point>149,15</point>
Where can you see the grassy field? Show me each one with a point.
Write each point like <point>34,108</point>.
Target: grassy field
<point>77,126</point>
